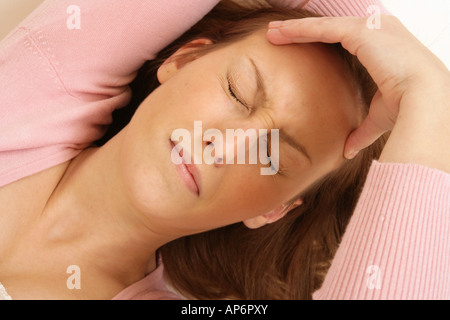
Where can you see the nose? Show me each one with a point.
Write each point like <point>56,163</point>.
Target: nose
<point>219,153</point>
<point>218,158</point>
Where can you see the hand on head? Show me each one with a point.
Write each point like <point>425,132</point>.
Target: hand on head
<point>403,68</point>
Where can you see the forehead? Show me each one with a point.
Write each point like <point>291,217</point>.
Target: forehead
<point>309,90</point>
<point>312,74</point>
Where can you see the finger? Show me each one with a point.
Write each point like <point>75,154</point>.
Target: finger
<point>290,4</point>
<point>373,126</point>
<point>276,37</point>
<point>362,137</point>
<point>327,30</point>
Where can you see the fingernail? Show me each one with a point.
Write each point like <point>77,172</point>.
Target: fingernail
<point>274,32</point>
<point>352,155</point>
<point>281,24</point>
<point>275,24</point>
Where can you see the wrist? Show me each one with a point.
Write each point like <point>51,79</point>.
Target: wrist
<point>421,134</point>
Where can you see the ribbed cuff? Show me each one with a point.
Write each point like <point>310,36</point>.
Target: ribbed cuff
<point>357,8</point>
<point>397,244</point>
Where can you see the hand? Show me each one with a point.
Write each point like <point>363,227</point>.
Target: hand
<point>299,4</point>
<point>408,75</point>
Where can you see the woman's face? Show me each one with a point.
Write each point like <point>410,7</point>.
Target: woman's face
<point>302,90</point>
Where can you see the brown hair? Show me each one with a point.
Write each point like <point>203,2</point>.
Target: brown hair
<point>289,258</point>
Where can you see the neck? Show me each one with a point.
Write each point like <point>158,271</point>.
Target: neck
<point>88,210</point>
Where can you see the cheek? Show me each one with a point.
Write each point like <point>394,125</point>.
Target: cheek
<point>331,151</point>
<point>243,193</point>
<point>142,174</point>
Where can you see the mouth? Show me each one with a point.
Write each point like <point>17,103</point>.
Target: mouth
<point>188,172</point>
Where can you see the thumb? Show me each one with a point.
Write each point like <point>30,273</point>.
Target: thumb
<point>373,126</point>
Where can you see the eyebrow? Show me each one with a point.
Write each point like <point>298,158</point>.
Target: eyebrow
<point>261,87</point>
<point>260,84</point>
<point>297,146</point>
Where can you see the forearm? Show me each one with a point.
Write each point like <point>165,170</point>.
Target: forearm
<point>330,8</point>
<point>396,244</point>
<point>60,82</point>
<point>422,131</point>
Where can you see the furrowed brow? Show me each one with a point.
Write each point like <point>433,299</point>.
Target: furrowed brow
<point>297,146</point>
<point>260,84</point>
<point>261,88</point>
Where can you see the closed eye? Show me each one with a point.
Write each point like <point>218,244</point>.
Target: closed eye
<point>280,170</point>
<point>231,90</point>
<point>234,93</point>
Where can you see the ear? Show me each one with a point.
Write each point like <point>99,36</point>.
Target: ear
<point>272,216</point>
<point>172,65</point>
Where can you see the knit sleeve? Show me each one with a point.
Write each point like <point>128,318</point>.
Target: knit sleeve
<point>396,245</point>
<point>66,68</point>
<point>358,8</point>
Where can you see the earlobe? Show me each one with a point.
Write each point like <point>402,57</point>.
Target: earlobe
<point>272,216</point>
<point>255,223</point>
<point>173,63</point>
<point>166,71</point>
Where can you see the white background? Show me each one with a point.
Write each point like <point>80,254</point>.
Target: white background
<point>428,20</point>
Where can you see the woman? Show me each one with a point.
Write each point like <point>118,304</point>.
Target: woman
<point>319,222</point>
<point>56,234</point>
<point>287,259</point>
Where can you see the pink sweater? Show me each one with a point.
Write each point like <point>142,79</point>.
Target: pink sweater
<point>60,85</point>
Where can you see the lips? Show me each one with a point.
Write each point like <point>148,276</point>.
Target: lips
<point>188,173</point>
